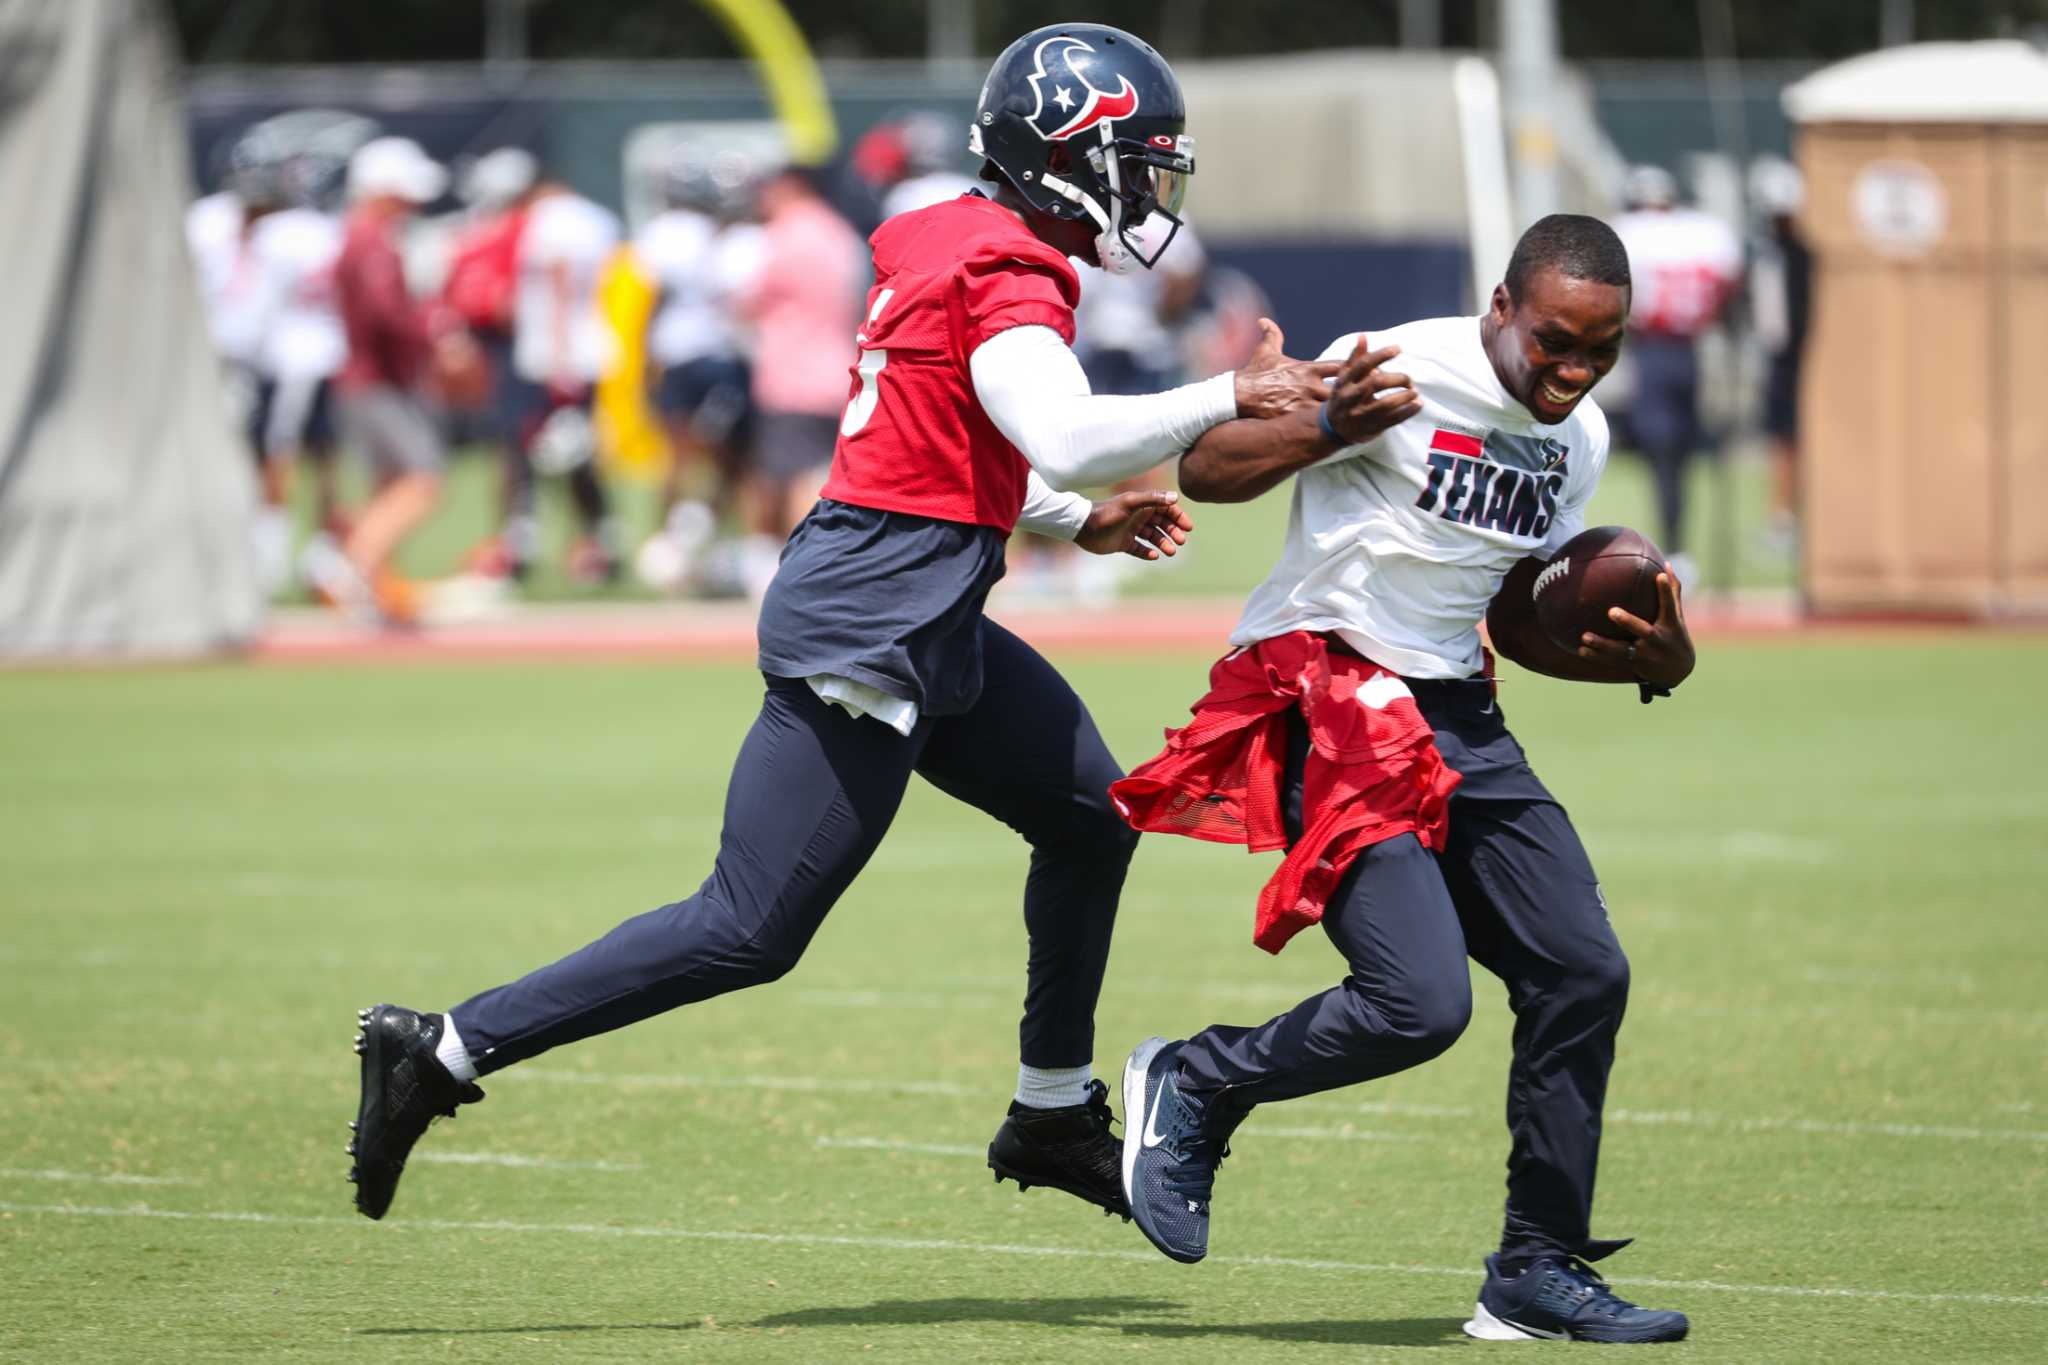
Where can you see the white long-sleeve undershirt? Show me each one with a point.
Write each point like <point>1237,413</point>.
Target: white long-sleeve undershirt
<point>1051,513</point>
<point>1033,389</point>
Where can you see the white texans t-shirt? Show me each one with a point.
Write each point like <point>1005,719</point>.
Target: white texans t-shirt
<point>1399,544</point>
<point>558,335</point>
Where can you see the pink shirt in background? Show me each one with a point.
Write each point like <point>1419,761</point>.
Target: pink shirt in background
<point>805,305</point>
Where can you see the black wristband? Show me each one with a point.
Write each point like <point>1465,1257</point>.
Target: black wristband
<point>1323,421</point>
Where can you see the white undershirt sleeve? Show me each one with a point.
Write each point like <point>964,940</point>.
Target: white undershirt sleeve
<point>1033,389</point>
<point>1051,513</point>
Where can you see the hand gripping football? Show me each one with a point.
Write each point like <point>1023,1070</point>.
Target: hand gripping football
<point>1607,566</point>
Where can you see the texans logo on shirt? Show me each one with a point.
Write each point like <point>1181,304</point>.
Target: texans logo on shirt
<point>1067,102</point>
<point>1495,481</point>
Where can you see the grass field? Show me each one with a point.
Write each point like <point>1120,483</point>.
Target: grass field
<point>1829,1123</point>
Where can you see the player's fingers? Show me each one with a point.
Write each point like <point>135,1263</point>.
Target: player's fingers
<point>1379,381</point>
<point>1669,607</point>
<point>1629,621</point>
<point>1148,543</point>
<point>1593,646</point>
<point>1362,361</point>
<point>1144,499</point>
<point>1267,352</point>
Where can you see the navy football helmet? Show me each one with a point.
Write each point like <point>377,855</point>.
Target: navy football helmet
<point>1088,122</point>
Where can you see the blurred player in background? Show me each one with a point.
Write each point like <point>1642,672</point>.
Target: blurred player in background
<point>931,164</point>
<point>1782,295</point>
<point>221,231</point>
<point>389,354</point>
<point>304,345</point>
<point>561,345</point>
<point>803,302</point>
<point>479,294</point>
<point>1686,265</point>
<point>699,250</point>
<point>966,409</point>
<point>1355,723</point>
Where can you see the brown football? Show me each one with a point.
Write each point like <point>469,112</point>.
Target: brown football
<point>1607,566</point>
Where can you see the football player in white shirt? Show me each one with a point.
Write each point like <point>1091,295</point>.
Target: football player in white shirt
<point>694,343</point>
<point>223,231</point>
<point>561,346</point>
<point>303,345</point>
<point>1395,549</point>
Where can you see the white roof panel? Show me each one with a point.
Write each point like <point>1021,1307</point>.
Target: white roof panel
<point>1997,81</point>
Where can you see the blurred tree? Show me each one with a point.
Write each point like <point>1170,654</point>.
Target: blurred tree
<point>453,30</point>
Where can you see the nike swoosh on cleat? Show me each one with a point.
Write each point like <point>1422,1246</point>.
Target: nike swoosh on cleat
<point>1153,1137</point>
<point>1536,1331</point>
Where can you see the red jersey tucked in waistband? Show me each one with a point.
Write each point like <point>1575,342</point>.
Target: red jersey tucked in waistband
<point>1373,771</point>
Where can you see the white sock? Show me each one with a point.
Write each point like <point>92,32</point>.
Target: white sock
<point>1053,1087</point>
<point>450,1052</point>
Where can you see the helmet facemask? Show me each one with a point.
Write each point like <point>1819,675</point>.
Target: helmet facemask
<point>1132,190</point>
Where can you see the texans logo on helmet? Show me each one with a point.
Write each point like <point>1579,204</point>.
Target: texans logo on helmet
<point>1067,103</point>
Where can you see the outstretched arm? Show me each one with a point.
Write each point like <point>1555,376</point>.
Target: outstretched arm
<point>1033,389</point>
<point>1237,461</point>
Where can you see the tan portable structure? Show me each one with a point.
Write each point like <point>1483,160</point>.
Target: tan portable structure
<point>1924,408</point>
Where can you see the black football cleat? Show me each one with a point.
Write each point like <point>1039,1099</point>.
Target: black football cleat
<point>405,1088</point>
<point>1064,1149</point>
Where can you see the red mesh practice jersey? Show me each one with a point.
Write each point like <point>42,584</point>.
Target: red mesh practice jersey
<point>914,437</point>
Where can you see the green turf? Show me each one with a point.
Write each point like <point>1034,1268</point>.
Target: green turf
<point>1825,859</point>
<point>1234,546</point>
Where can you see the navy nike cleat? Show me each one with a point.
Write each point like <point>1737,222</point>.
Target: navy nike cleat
<point>1171,1152</point>
<point>1069,1148</point>
<point>405,1088</point>
<point>1560,1298</point>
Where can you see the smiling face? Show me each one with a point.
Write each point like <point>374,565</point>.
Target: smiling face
<point>1553,345</point>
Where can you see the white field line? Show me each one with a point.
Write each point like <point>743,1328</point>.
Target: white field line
<point>1681,1118</point>
<point>1678,1118</point>
<point>1755,1123</point>
<point>1320,1134</point>
<point>800,1239</point>
<point>869,1144</point>
<point>807,1084</point>
<point>530,1163</point>
<point>1275,996</point>
<point>1344,1134</point>
<point>90,1177</point>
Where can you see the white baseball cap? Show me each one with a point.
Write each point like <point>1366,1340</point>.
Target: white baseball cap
<point>396,166</point>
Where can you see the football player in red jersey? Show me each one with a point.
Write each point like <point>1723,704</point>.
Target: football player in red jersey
<point>966,413</point>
